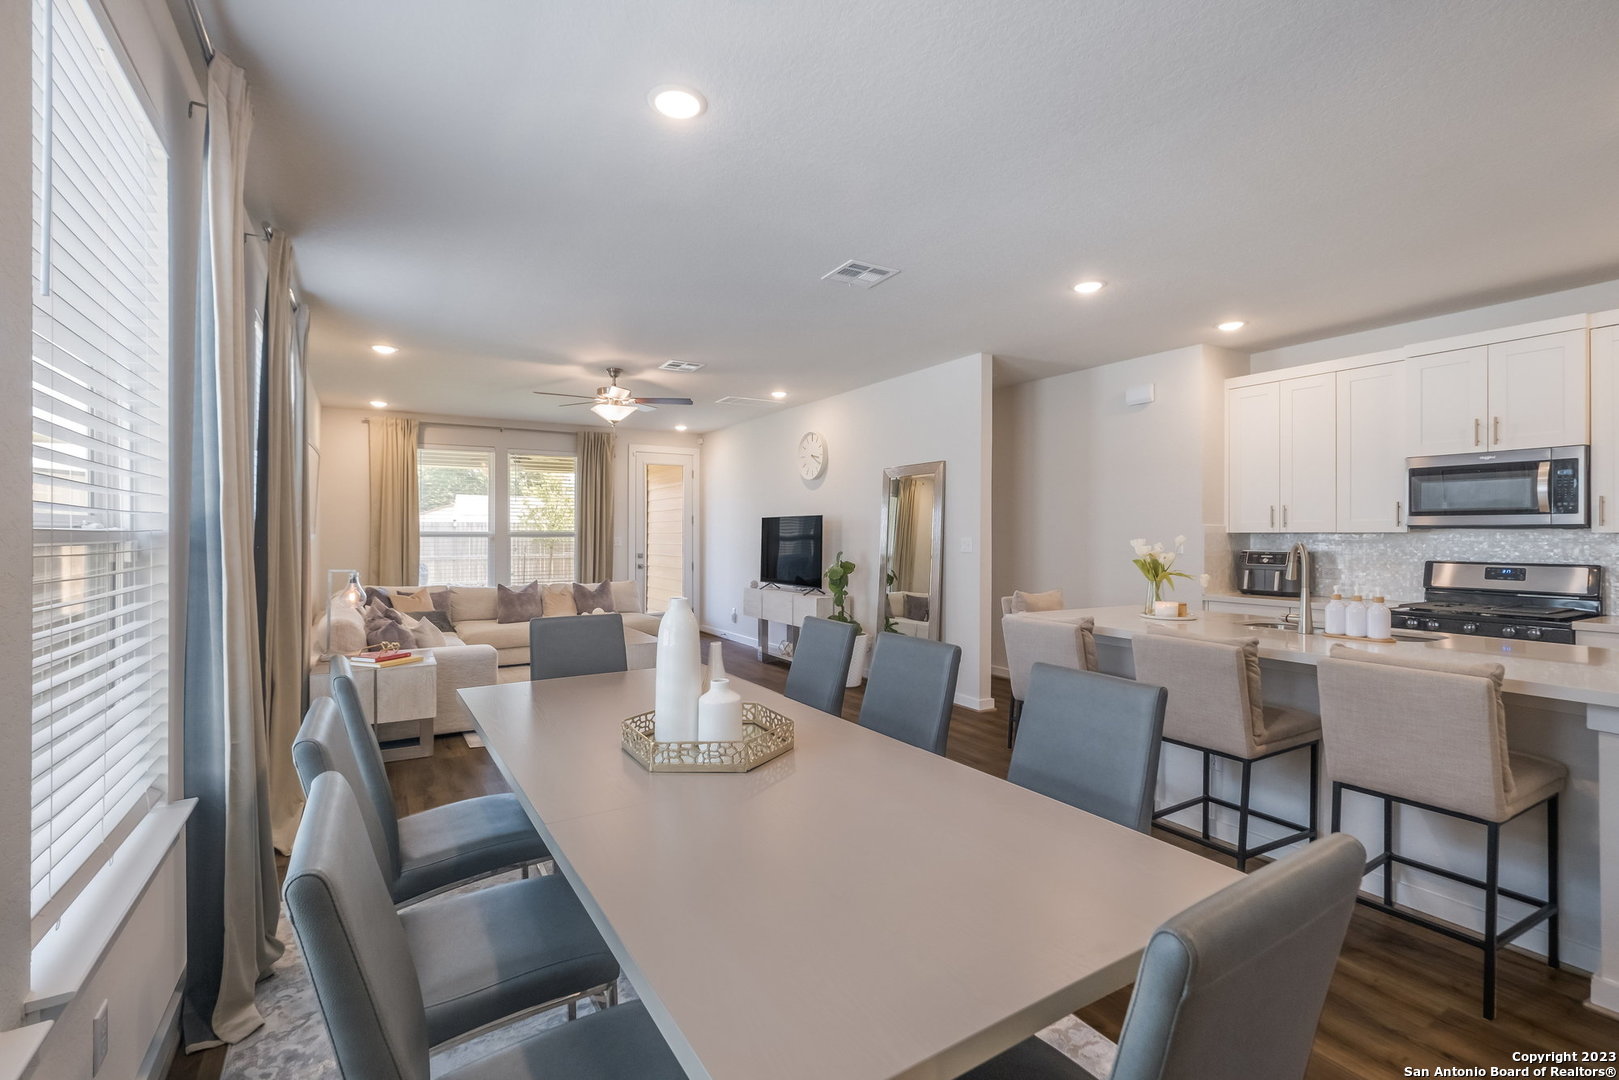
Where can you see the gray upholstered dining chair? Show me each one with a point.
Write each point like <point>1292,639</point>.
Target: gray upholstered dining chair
<point>1043,639</point>
<point>821,664</point>
<point>910,689</point>
<point>386,1000</point>
<point>560,647</point>
<point>421,854</point>
<point>1091,741</point>
<point>1231,988</point>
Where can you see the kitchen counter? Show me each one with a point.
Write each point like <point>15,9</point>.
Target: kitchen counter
<point>1563,703</point>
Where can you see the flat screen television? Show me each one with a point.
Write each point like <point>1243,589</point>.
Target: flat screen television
<point>790,551</point>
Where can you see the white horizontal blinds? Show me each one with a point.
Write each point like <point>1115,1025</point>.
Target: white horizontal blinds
<point>100,454</point>
<point>453,495</point>
<point>542,505</point>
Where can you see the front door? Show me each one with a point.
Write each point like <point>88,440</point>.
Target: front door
<point>663,515</point>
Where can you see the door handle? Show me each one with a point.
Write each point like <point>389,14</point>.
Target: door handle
<point>1399,509</point>
<point>1496,429</point>
<point>1543,486</point>
<point>1477,424</point>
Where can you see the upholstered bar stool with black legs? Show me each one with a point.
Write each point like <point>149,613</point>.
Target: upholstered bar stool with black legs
<point>1433,735</point>
<point>1216,707</point>
<point>1043,639</point>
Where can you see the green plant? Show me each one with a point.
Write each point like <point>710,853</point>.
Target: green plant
<point>889,625</point>
<point>837,580</point>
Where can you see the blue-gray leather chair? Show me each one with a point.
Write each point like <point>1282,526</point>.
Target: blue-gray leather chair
<point>910,690</point>
<point>1091,741</point>
<point>1231,988</point>
<point>563,646</point>
<point>421,854</point>
<point>821,664</point>
<point>385,1002</point>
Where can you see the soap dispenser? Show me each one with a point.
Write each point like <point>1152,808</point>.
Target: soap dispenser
<point>1355,617</point>
<point>1335,615</point>
<point>1379,621</point>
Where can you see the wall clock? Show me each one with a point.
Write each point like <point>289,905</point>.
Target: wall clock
<point>811,455</point>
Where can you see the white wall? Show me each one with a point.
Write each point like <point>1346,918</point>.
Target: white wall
<point>941,413</point>
<point>1078,474</point>
<point>343,522</point>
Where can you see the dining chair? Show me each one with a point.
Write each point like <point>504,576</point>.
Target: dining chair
<point>910,689</point>
<point>563,646</point>
<point>421,854</point>
<point>1091,741</point>
<point>821,664</point>
<point>1232,988</point>
<point>386,1001</point>
<point>1043,639</point>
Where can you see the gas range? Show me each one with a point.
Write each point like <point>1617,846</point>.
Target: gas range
<point>1525,601</point>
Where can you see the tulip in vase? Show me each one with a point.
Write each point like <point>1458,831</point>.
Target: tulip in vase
<point>1157,565</point>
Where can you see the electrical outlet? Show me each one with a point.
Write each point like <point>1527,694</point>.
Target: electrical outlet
<point>733,614</point>
<point>98,1039</point>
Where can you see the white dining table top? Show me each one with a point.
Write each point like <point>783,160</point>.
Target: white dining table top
<point>857,908</point>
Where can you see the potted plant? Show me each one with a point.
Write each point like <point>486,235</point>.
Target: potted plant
<point>837,582</point>
<point>1156,564</point>
<point>889,625</point>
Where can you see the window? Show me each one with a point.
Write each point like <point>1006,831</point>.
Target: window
<point>492,515</point>
<point>100,456</point>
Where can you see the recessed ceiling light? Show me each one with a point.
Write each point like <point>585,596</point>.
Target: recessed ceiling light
<point>680,427</point>
<point>1088,287</point>
<point>384,350</point>
<point>778,394</point>
<point>379,404</point>
<point>1230,325</point>
<point>677,102</point>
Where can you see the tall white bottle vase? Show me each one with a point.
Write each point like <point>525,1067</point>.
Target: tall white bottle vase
<point>679,680</point>
<point>716,664</point>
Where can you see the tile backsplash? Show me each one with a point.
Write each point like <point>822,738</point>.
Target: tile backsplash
<point>1390,564</point>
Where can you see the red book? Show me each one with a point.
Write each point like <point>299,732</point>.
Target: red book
<point>378,658</point>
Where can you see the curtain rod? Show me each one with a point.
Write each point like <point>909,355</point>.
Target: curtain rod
<point>202,31</point>
<point>491,427</point>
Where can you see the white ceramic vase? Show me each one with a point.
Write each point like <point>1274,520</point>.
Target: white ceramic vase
<point>857,661</point>
<point>719,713</point>
<point>679,680</point>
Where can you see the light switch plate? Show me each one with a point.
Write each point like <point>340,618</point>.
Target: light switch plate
<point>966,545</point>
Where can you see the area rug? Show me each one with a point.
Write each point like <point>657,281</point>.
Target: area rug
<point>293,1042</point>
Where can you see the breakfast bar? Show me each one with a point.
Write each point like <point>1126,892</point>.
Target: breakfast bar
<point>1562,702</point>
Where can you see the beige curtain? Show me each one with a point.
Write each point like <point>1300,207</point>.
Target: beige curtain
<point>905,534</point>
<point>595,505</point>
<point>286,541</point>
<point>395,546</point>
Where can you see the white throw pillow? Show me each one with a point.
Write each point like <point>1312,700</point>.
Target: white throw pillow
<point>1037,601</point>
<point>626,597</point>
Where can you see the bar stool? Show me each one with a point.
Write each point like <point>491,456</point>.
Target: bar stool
<point>1216,707</point>
<point>1433,735</point>
<point>1043,639</point>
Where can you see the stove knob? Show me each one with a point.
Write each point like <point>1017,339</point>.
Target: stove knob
<point>1531,631</point>
<point>1409,623</point>
<point>1470,628</point>
<point>1509,631</point>
<point>1431,624</point>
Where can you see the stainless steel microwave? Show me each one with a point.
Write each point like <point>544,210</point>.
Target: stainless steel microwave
<point>1504,490</point>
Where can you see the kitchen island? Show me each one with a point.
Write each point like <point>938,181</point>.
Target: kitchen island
<point>1562,703</point>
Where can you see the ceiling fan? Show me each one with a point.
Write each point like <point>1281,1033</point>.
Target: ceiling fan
<point>613,402</point>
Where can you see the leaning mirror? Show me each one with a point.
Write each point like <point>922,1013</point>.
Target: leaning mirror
<point>912,542</point>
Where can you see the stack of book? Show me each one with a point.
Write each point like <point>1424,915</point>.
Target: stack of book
<point>385,659</point>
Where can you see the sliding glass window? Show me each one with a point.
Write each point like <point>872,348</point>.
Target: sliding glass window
<point>454,486</point>
<point>491,516</point>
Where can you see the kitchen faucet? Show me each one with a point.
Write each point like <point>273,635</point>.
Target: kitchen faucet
<point>1298,568</point>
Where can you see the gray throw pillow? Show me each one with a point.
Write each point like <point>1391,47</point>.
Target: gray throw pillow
<point>519,605</point>
<point>376,595</point>
<point>380,628</point>
<point>440,619</point>
<point>916,607</point>
<point>589,598</point>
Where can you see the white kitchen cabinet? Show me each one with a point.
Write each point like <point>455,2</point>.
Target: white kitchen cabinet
<point>1447,401</point>
<point>1371,449</point>
<point>1539,392</point>
<point>1253,458</point>
<point>1309,454</point>
<point>1605,430</point>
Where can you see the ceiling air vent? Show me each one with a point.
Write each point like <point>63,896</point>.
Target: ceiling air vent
<point>865,275</point>
<point>737,399</point>
<point>684,366</point>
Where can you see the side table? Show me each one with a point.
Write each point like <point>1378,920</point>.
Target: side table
<point>399,702</point>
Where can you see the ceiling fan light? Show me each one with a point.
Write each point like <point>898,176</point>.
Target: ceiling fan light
<point>612,413</point>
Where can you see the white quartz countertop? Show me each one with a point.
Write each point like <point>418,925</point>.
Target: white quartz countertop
<point>1576,673</point>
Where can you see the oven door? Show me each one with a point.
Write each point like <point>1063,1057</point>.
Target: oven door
<point>1502,490</point>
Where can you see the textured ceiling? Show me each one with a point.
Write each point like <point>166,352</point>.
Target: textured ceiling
<point>484,185</point>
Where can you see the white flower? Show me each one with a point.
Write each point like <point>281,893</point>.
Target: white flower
<point>1140,547</point>
<point>1180,542</point>
<point>1158,549</point>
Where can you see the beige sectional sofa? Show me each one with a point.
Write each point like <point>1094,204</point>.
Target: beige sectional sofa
<point>472,610</point>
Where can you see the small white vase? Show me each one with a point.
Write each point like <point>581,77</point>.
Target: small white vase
<point>719,713</point>
<point>857,661</point>
<point>679,679</point>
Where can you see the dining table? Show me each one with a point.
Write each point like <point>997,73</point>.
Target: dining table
<point>856,908</point>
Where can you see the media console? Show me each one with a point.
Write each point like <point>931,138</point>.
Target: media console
<point>785,605</point>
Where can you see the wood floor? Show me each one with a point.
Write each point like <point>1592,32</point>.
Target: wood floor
<point>1401,996</point>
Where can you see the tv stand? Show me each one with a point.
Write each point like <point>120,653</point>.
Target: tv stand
<point>770,603</point>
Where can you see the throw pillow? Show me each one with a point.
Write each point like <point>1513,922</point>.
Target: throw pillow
<point>558,600</point>
<point>626,597</point>
<point>413,600</point>
<point>593,598</point>
<point>380,628</point>
<point>440,619</point>
<point>374,594</point>
<point>346,629</point>
<point>473,604</point>
<point>1037,601</point>
<point>518,605</point>
<point>916,607</point>
<point>426,634</point>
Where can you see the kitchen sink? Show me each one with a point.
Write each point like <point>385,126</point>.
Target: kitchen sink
<point>1273,626</point>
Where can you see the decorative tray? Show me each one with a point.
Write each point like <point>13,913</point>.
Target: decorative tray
<point>766,735</point>
<point>1171,618</point>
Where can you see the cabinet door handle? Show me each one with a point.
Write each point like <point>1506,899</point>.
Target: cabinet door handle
<point>1273,517</point>
<point>1284,515</point>
<point>1496,429</point>
<point>1477,424</point>
<point>1399,510</point>
<point>1602,509</point>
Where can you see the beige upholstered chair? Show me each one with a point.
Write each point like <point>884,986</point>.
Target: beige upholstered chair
<point>1433,734</point>
<point>1043,639</point>
<point>1216,707</point>
<point>1020,602</point>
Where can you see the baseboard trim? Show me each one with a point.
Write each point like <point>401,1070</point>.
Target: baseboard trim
<point>730,635</point>
<point>166,1043</point>
<point>976,704</point>
<point>1604,996</point>
<point>1000,671</point>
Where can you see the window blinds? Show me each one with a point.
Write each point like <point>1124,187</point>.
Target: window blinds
<point>100,455</point>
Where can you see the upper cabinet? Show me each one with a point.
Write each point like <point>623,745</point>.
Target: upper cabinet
<point>1253,458</point>
<point>1371,449</point>
<point>1309,461</point>
<point>1605,427</point>
<point>1512,395</point>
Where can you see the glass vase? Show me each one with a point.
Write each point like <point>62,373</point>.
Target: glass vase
<point>1155,593</point>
